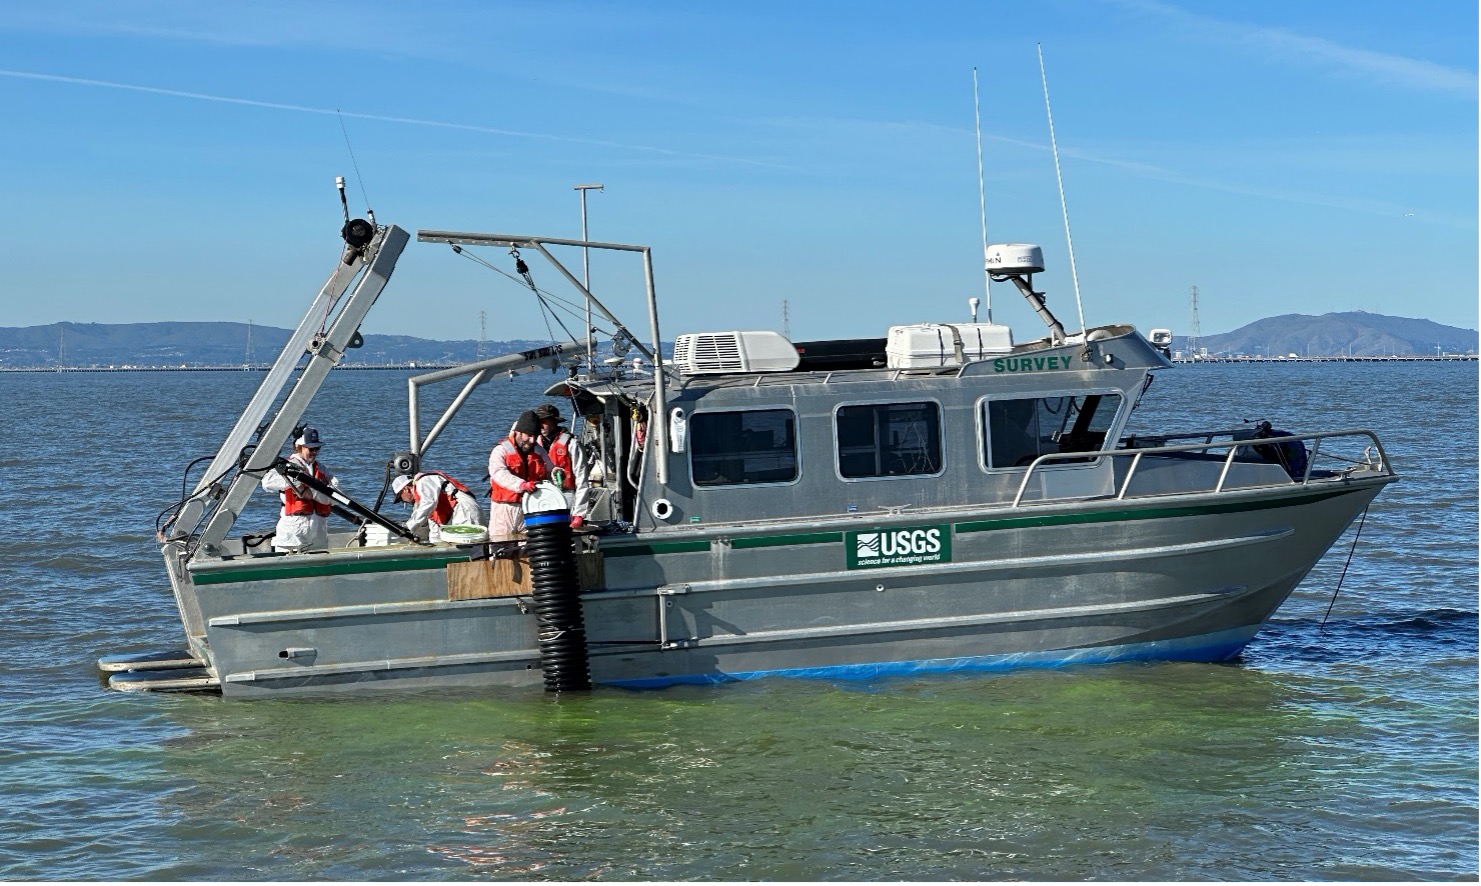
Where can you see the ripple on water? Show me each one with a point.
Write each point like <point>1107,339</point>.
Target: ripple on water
<point>1344,751</point>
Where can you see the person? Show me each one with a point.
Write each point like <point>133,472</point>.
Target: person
<point>567,454</point>
<point>516,464</point>
<point>437,500</point>
<point>303,524</point>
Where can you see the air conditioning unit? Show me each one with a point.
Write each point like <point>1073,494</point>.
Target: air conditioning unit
<point>720,353</point>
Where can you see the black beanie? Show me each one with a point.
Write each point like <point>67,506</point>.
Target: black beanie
<point>527,423</point>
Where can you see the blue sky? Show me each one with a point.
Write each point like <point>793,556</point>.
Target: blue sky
<point>173,160</point>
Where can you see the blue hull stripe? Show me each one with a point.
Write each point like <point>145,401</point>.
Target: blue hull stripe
<point>1219,646</point>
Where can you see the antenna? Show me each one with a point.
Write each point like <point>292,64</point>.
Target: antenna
<point>972,302</point>
<point>482,330</point>
<point>591,353</point>
<point>1064,210</point>
<point>982,203</point>
<point>369,213</point>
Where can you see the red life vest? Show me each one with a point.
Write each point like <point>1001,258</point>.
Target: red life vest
<point>447,498</point>
<point>293,506</point>
<point>560,456</point>
<point>526,467</point>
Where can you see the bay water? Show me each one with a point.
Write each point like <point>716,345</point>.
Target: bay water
<point>1340,746</point>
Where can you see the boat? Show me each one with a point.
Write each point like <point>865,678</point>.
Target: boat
<point>942,498</point>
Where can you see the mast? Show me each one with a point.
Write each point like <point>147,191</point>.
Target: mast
<point>982,203</point>
<point>1063,208</point>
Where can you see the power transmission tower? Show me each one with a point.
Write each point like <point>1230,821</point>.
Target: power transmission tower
<point>786,319</point>
<point>1194,333</point>
<point>247,361</point>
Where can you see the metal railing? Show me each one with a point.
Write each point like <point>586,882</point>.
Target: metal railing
<point>1367,462</point>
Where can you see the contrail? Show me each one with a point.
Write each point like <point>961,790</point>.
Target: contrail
<point>411,121</point>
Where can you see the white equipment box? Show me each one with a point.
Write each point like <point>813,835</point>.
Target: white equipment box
<point>933,345</point>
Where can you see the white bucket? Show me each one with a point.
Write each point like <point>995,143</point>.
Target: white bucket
<point>463,534</point>
<point>545,497</point>
<point>377,536</point>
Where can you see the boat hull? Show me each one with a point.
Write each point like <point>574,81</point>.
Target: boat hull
<point>1191,579</point>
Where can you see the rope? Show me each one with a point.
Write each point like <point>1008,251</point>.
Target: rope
<point>1340,578</point>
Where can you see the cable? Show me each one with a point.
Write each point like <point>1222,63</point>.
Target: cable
<point>1350,552</point>
<point>353,162</point>
<point>574,309</point>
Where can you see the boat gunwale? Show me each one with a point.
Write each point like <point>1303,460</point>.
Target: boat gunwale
<point>353,561</point>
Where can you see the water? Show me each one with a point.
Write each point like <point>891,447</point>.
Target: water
<point>1346,752</point>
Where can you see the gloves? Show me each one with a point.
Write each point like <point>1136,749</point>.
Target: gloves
<point>527,486</point>
<point>577,522</point>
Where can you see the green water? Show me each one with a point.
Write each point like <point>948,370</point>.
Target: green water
<point>1122,772</point>
<point>1338,747</point>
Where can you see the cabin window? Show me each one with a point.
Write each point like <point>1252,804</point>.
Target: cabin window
<point>1018,431</point>
<point>755,446</point>
<point>889,440</point>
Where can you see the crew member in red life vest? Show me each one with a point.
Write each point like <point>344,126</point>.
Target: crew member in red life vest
<point>304,522</point>
<point>567,454</point>
<point>437,500</point>
<point>516,464</point>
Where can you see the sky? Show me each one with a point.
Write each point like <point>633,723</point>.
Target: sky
<point>808,168</point>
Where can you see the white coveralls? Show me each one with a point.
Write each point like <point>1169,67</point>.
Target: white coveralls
<point>506,519</point>
<point>305,532</point>
<point>428,492</point>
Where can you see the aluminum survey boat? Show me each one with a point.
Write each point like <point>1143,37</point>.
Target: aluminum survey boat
<point>939,499</point>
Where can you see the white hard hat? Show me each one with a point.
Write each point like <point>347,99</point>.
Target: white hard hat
<point>399,484</point>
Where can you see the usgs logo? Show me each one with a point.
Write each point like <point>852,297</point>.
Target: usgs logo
<point>906,546</point>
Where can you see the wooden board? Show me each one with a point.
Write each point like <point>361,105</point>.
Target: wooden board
<point>481,579</point>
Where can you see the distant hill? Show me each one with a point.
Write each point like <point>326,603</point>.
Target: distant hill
<point>226,344</point>
<point>1355,333</point>
<point>207,344</point>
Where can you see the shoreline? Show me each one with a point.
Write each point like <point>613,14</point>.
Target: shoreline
<point>1178,361</point>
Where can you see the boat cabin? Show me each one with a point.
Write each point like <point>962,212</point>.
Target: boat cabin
<point>783,431</point>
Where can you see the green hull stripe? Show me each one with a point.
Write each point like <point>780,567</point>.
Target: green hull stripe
<point>772,541</point>
<point>644,550</point>
<point>313,570</point>
<point>1145,513</point>
<point>364,567</point>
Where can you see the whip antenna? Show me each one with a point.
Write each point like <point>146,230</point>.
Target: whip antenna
<point>369,213</point>
<point>982,203</point>
<point>1064,210</point>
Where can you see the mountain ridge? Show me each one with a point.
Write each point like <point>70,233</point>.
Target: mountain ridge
<point>225,343</point>
<point>1350,333</point>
